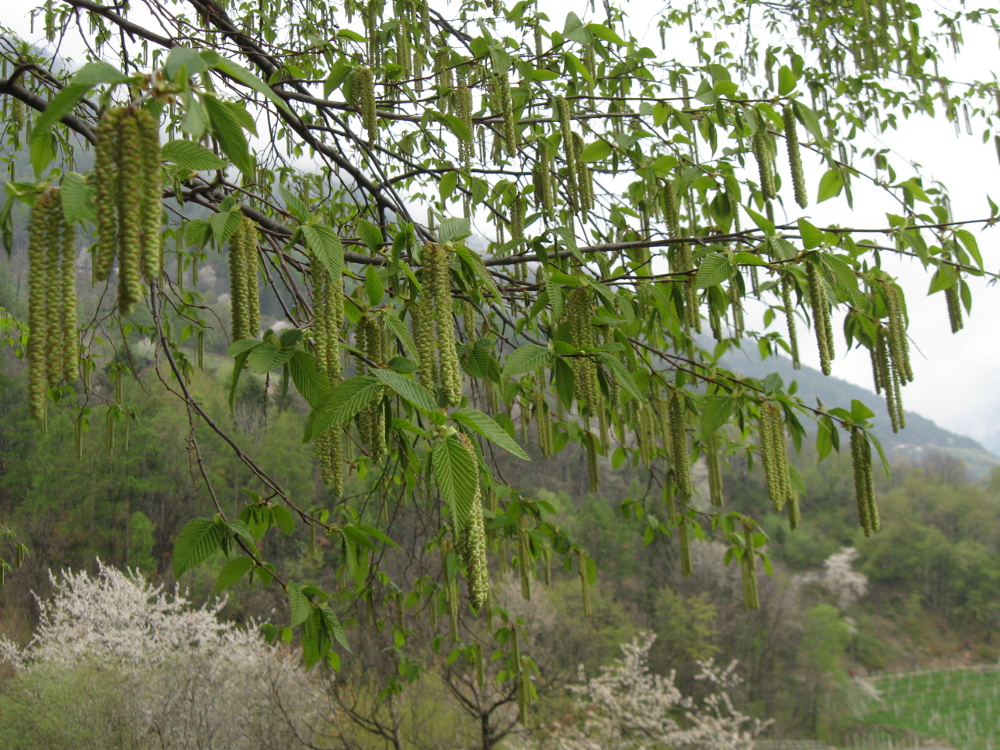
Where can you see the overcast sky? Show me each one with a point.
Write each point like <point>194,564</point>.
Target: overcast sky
<point>955,375</point>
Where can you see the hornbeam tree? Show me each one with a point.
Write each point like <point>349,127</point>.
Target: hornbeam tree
<point>476,217</point>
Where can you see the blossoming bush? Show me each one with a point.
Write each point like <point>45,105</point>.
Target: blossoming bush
<point>627,708</point>
<point>116,662</point>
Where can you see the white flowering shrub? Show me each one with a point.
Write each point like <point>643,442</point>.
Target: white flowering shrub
<point>839,577</point>
<point>152,667</point>
<point>628,708</point>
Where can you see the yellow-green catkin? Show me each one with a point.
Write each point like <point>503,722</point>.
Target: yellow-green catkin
<point>106,191</point>
<point>41,215</point>
<point>506,105</point>
<point>765,162</point>
<point>437,272</point>
<point>238,291</point>
<point>544,191</point>
<point>152,193</point>
<point>671,209</point>
<point>887,379</point>
<point>581,559</point>
<point>793,339</point>
<point>751,599</point>
<point>864,486</point>
<point>564,115</point>
<point>954,308</point>
<point>422,314</point>
<point>821,317</point>
<point>684,544</point>
<point>679,447</point>
<point>794,156</point>
<point>714,464</point>
<point>775,455</point>
<point>70,341</point>
<point>364,99</point>
<point>328,318</point>
<point>899,348</point>
<point>250,276</point>
<point>130,219</point>
<point>54,293</point>
<point>593,471</point>
<point>542,420</point>
<point>463,106</point>
<point>582,335</point>
<point>450,590</point>
<point>474,542</point>
<point>524,561</point>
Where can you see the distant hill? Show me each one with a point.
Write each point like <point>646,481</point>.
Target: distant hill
<point>920,436</point>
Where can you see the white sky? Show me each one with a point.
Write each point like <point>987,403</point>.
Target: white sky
<point>953,374</point>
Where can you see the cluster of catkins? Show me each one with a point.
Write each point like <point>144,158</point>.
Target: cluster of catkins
<point>363,94</point>
<point>128,193</point>
<point>542,419</point>
<point>751,599</point>
<point>374,341</point>
<point>774,452</point>
<point>579,181</point>
<point>582,335</point>
<point>53,349</point>
<point>243,281</point>
<point>433,328</point>
<point>864,486</point>
<point>328,319</point>
<point>891,356</point>
<point>764,154</point>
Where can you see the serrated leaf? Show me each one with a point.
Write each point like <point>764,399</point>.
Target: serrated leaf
<point>715,412</point>
<point>196,232</point>
<point>398,329</point>
<point>327,248</point>
<point>812,236</point>
<point>526,358</point>
<point>714,269</point>
<point>454,229</point>
<point>830,185</point>
<point>298,604</point>
<point>309,381</point>
<point>76,198</point>
<point>224,225</point>
<point>192,156</point>
<point>341,404</point>
<point>860,412</point>
<point>373,286</point>
<point>786,81</point>
<point>63,103</point>
<point>233,571</point>
<point>489,429</point>
<point>372,531</point>
<point>408,388</point>
<point>268,357</point>
<point>229,133</point>
<point>198,540</point>
<point>457,476</point>
<point>284,519</point>
<point>623,376</point>
<point>371,235</point>
<point>596,151</point>
<point>243,75</point>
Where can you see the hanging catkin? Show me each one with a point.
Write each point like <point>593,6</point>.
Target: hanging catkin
<point>714,465</point>
<point>544,192</point>
<point>363,93</point>
<point>821,317</point>
<point>582,335</point>
<point>563,113</point>
<point>593,472</point>
<point>765,162</point>
<point>793,340</point>
<point>864,487</point>
<point>899,348</point>
<point>506,105</point>
<point>954,307</point>
<point>127,187</point>
<point>474,542</point>
<point>775,454</point>
<point>524,557</point>
<point>751,599</point>
<point>437,293</point>
<point>328,318</point>
<point>794,156</point>
<point>41,215</point>
<point>678,446</point>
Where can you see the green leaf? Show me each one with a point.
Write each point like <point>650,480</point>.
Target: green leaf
<point>408,388</point>
<point>398,329</point>
<point>284,519</point>
<point>526,358</point>
<point>371,235</point>
<point>489,429</point>
<point>192,156</point>
<point>233,571</point>
<point>623,376</point>
<point>327,248</point>
<point>309,381</point>
<point>860,412</point>
<point>596,151</point>
<point>199,538</point>
<point>372,531</point>
<point>77,198</point>
<point>342,403</point>
<point>786,81</point>
<point>457,476</point>
<point>298,604</point>
<point>830,185</point>
<point>229,133</point>
<point>454,230</point>
<point>63,103</point>
<point>373,286</point>
<point>605,34</point>
<point>184,57</point>
<point>812,236</point>
<point>243,75</point>
<point>715,412</point>
<point>268,357</point>
<point>714,269</point>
